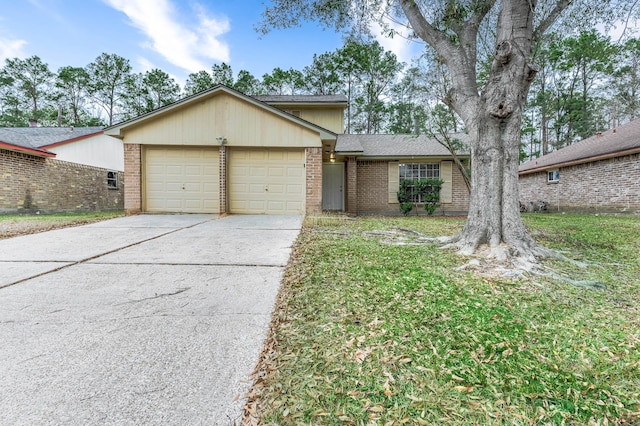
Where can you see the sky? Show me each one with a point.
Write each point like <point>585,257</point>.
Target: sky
<point>177,36</point>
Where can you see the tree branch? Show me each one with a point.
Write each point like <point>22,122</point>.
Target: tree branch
<point>424,29</point>
<point>544,25</point>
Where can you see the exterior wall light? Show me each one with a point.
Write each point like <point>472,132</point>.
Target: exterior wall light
<point>221,140</point>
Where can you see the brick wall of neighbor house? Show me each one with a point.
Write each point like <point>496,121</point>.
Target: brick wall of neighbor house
<point>606,186</point>
<point>34,184</point>
<point>133,178</point>
<point>313,169</point>
<point>373,184</point>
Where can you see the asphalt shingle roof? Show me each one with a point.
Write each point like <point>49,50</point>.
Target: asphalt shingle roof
<point>38,137</point>
<point>393,145</point>
<point>623,139</point>
<point>301,98</point>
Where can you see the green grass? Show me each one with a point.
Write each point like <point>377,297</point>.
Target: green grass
<point>371,332</point>
<point>14,225</point>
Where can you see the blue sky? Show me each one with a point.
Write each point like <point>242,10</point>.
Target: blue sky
<point>177,36</point>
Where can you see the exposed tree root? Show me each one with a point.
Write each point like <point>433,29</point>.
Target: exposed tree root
<point>519,259</point>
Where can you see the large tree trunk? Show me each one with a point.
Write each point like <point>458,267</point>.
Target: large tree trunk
<point>492,117</point>
<point>494,211</point>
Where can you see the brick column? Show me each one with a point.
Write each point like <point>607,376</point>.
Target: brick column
<point>132,178</point>
<point>313,170</point>
<point>352,185</point>
<point>223,178</point>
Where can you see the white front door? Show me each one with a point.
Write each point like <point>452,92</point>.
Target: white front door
<point>333,186</point>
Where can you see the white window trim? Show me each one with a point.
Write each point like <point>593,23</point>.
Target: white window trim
<point>114,179</point>
<point>551,174</point>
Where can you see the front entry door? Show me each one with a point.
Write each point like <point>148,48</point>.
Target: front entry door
<point>333,186</point>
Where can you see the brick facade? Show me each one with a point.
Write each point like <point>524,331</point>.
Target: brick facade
<point>352,185</point>
<point>373,191</point>
<point>313,169</point>
<point>36,184</point>
<point>605,186</point>
<point>133,178</point>
<point>222,176</point>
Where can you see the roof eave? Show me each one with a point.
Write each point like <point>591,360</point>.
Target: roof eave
<point>25,150</point>
<point>67,141</point>
<point>335,104</point>
<point>362,156</point>
<point>580,161</point>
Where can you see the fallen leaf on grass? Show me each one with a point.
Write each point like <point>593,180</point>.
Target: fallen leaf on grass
<point>361,354</point>
<point>467,389</point>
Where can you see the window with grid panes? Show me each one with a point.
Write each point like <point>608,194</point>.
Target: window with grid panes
<point>416,171</point>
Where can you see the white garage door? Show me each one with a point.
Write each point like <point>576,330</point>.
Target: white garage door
<point>182,180</point>
<point>266,181</point>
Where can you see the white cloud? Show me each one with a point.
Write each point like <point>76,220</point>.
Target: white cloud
<point>12,48</point>
<point>144,64</point>
<point>401,44</point>
<point>190,47</point>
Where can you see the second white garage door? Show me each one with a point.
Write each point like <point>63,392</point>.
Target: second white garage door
<point>182,180</point>
<point>265,181</point>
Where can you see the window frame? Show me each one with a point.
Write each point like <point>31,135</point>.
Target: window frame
<point>553,176</point>
<point>112,179</point>
<point>419,170</point>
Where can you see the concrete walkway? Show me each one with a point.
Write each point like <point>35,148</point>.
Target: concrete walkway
<point>152,319</point>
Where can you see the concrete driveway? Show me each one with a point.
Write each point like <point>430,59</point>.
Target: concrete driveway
<point>152,319</point>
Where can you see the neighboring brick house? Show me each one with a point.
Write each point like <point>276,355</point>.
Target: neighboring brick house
<point>374,165</point>
<point>50,170</point>
<point>600,174</point>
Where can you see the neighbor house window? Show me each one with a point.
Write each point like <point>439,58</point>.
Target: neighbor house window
<point>416,171</point>
<point>553,176</point>
<point>112,180</point>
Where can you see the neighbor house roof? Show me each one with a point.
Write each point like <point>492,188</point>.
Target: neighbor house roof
<point>37,140</point>
<point>396,146</point>
<point>116,130</point>
<point>624,140</point>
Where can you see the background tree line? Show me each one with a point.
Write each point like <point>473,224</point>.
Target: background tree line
<point>587,84</point>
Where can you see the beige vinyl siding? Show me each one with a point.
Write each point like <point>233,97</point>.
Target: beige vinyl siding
<point>265,181</point>
<point>330,119</point>
<point>240,122</point>
<point>181,180</point>
<point>446,174</point>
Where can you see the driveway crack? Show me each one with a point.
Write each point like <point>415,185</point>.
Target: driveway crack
<point>157,296</point>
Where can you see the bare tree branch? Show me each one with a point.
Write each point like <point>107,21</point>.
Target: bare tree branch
<point>551,18</point>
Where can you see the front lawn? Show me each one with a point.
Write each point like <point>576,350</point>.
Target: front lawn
<point>14,225</point>
<point>371,328</point>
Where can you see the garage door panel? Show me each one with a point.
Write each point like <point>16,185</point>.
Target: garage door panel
<point>194,170</point>
<point>295,189</point>
<point>291,172</point>
<point>277,189</point>
<point>182,180</point>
